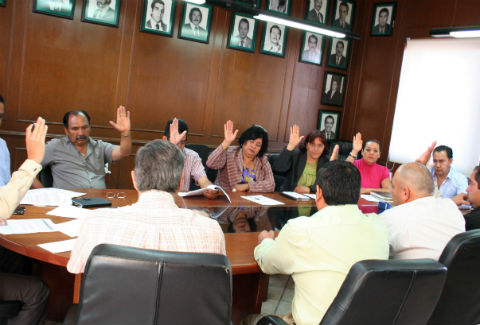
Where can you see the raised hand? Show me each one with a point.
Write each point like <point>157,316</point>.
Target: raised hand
<point>123,121</point>
<point>425,156</point>
<point>230,135</point>
<point>295,137</point>
<point>176,137</point>
<point>35,140</point>
<point>357,143</point>
<point>334,155</point>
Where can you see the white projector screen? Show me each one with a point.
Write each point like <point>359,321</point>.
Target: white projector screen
<point>439,99</point>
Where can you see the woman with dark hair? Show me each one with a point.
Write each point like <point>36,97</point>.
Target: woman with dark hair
<point>375,177</point>
<point>302,164</point>
<point>244,168</point>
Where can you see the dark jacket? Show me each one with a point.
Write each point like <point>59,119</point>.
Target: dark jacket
<point>294,162</point>
<point>472,219</point>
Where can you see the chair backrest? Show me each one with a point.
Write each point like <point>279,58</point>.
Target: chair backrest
<point>392,292</point>
<point>126,285</point>
<point>345,147</point>
<point>203,151</point>
<point>45,176</point>
<point>9,309</point>
<point>279,178</point>
<point>460,299</point>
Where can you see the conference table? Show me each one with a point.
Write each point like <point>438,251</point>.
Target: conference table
<point>249,283</point>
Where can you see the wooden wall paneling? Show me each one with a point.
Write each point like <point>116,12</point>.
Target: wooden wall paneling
<point>6,28</point>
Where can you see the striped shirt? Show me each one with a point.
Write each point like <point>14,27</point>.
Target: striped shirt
<point>154,222</point>
<point>192,169</point>
<point>230,169</point>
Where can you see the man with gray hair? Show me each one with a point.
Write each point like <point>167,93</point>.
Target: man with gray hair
<point>154,221</point>
<point>420,225</point>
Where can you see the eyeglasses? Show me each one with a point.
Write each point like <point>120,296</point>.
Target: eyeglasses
<point>113,195</point>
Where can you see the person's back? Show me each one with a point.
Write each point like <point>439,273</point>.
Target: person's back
<point>319,250</point>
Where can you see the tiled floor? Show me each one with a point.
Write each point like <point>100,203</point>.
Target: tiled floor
<point>280,295</point>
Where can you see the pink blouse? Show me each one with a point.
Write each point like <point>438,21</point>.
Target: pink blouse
<point>372,175</point>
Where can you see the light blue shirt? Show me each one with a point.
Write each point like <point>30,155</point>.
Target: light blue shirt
<point>454,184</point>
<point>4,163</point>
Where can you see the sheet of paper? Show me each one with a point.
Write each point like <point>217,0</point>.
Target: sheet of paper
<point>312,196</point>
<point>370,198</point>
<point>69,211</point>
<point>59,246</point>
<point>262,200</point>
<point>27,226</point>
<point>296,196</point>
<point>69,228</point>
<point>49,197</point>
<point>201,190</point>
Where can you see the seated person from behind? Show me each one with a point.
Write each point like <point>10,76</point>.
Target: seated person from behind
<point>450,182</point>
<point>176,131</point>
<point>78,161</point>
<point>318,251</point>
<point>302,164</point>
<point>420,224</point>
<point>154,221</point>
<point>374,176</point>
<point>244,168</point>
<point>31,291</point>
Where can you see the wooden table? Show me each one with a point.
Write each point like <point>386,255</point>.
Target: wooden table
<point>249,283</point>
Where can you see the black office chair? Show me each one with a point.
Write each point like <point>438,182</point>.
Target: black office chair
<point>9,309</point>
<point>396,292</point>
<point>125,285</point>
<point>203,151</point>
<point>45,176</point>
<point>459,303</point>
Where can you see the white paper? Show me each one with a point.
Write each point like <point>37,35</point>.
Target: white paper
<point>201,190</point>
<point>69,211</point>
<point>27,226</point>
<point>69,228</point>
<point>59,246</point>
<point>312,196</point>
<point>370,198</point>
<point>262,200</point>
<point>49,197</point>
<point>296,196</point>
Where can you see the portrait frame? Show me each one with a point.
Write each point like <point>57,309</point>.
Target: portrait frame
<point>185,30</point>
<point>288,6</point>
<point>169,11</point>
<point>305,58</point>
<point>310,12</point>
<point>388,30</point>
<point>350,15</point>
<point>112,16</point>
<point>331,58</point>
<point>43,7</point>
<point>233,40</point>
<point>3,3</point>
<point>335,99</point>
<point>266,46</point>
<point>250,3</point>
<point>322,116</point>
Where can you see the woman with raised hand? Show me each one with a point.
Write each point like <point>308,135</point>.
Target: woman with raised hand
<point>243,168</point>
<point>374,176</point>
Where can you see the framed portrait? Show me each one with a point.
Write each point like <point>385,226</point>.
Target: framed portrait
<point>333,88</point>
<point>338,53</point>
<point>329,123</point>
<point>249,3</point>
<point>158,17</point>
<point>317,11</point>
<point>3,3</point>
<point>59,8</point>
<point>343,14</point>
<point>103,12</point>
<point>274,39</point>
<point>312,48</point>
<point>243,31</point>
<point>383,16</point>
<point>279,6</point>
<point>195,24</point>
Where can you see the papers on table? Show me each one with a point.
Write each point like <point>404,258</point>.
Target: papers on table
<point>370,198</point>
<point>69,211</point>
<point>49,197</point>
<point>295,196</point>
<point>312,196</point>
<point>69,228</point>
<point>27,226</point>
<point>201,190</point>
<point>59,246</point>
<point>262,200</point>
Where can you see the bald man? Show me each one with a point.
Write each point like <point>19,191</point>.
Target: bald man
<point>420,224</point>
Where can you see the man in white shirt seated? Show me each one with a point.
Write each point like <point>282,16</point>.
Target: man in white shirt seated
<point>318,251</point>
<point>420,224</point>
<point>154,221</point>
<point>450,182</point>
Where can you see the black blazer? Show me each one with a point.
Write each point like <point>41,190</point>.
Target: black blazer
<point>294,162</point>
